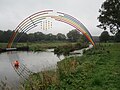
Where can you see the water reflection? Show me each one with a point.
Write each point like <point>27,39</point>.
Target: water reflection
<point>35,62</point>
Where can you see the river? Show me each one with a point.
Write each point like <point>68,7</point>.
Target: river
<point>35,62</point>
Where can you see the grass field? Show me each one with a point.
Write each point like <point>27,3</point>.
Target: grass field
<point>97,69</point>
<point>3,45</point>
<point>46,45</point>
<point>38,46</point>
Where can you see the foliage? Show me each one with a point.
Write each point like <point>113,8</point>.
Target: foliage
<point>110,15</point>
<point>40,46</point>
<point>97,69</point>
<point>3,45</point>
<point>61,37</point>
<point>111,39</point>
<point>66,49</point>
<point>73,35</point>
<point>117,36</point>
<point>5,35</point>
<point>41,80</point>
<point>31,37</point>
<point>41,37</point>
<point>63,50</point>
<point>104,37</point>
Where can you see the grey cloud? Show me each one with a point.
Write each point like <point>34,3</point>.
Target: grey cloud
<point>12,12</point>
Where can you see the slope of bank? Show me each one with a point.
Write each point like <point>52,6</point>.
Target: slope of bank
<point>97,69</point>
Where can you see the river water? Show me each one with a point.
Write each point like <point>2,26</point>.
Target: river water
<point>35,62</point>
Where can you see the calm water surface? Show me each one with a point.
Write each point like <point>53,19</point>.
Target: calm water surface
<point>35,62</point>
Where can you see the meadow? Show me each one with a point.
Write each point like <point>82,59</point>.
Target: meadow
<point>38,46</point>
<point>97,69</point>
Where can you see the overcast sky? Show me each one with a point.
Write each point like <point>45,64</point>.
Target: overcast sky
<point>12,12</point>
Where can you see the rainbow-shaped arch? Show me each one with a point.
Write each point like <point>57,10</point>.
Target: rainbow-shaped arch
<point>36,18</point>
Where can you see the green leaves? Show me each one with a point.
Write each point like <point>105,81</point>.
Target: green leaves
<point>95,70</point>
<point>104,37</point>
<point>110,16</point>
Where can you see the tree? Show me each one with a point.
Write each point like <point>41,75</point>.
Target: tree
<point>31,37</point>
<point>61,37</point>
<point>23,37</point>
<point>50,37</point>
<point>1,36</point>
<point>6,35</point>
<point>83,39</point>
<point>110,16</point>
<point>73,35</point>
<point>104,37</point>
<point>111,38</point>
<point>39,36</point>
<point>117,36</point>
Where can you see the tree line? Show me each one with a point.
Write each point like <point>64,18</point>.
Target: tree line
<point>105,37</point>
<point>72,36</point>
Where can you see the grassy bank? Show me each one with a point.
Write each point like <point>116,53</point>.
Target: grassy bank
<point>46,45</point>
<point>38,46</point>
<point>3,45</point>
<point>97,69</point>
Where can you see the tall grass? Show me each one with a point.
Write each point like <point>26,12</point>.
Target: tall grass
<point>3,45</point>
<point>42,80</point>
<point>97,69</point>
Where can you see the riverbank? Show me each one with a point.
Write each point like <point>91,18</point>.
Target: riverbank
<point>38,46</point>
<point>34,61</point>
<point>97,69</point>
<point>60,47</point>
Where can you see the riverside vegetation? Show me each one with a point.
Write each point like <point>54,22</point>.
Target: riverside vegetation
<point>42,46</point>
<point>39,46</point>
<point>97,69</point>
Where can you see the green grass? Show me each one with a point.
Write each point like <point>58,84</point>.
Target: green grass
<point>41,80</point>
<point>39,46</point>
<point>97,69</point>
<point>46,45</point>
<point>3,45</point>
